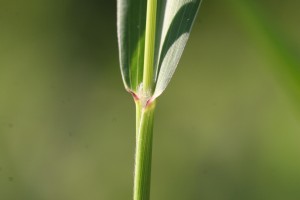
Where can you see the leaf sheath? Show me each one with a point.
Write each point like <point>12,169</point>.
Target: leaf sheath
<point>142,170</point>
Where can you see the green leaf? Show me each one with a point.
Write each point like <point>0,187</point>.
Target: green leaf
<point>174,21</point>
<point>131,21</point>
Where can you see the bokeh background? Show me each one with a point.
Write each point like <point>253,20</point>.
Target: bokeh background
<point>227,127</point>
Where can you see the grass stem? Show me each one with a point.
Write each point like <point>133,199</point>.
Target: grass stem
<point>144,113</point>
<point>149,45</point>
<point>143,154</point>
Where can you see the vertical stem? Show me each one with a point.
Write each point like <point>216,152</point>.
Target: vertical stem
<point>149,45</point>
<point>142,169</point>
<point>145,113</point>
<point>138,113</point>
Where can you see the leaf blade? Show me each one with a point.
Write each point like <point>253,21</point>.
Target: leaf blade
<point>131,22</point>
<point>173,24</point>
<point>176,24</point>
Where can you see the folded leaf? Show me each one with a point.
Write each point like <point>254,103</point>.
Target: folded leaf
<point>174,21</point>
<point>131,21</point>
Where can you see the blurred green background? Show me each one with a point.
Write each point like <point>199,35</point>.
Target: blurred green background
<point>227,127</point>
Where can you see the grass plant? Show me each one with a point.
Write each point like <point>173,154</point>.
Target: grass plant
<point>151,35</point>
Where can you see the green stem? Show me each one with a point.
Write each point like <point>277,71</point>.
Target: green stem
<point>145,113</point>
<point>149,45</point>
<point>142,169</point>
<point>138,112</point>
